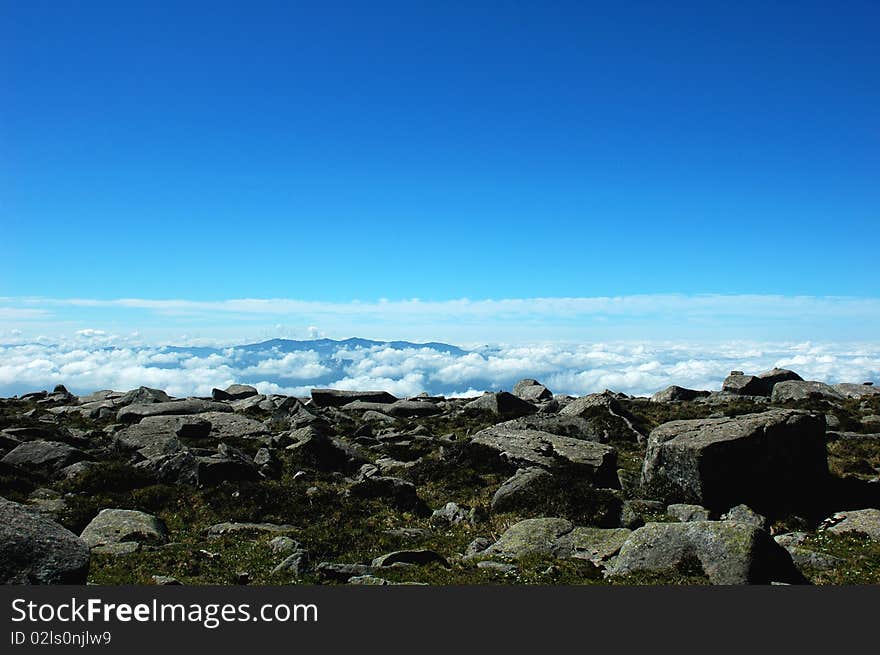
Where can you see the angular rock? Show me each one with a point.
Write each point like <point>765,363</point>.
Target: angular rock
<point>113,526</point>
<point>143,395</point>
<point>849,390</point>
<point>36,550</point>
<point>866,521</point>
<point>519,491</point>
<point>586,406</point>
<point>675,393</point>
<point>49,456</point>
<point>532,391</point>
<point>745,514</point>
<point>527,448</point>
<point>223,529</point>
<point>234,392</point>
<point>684,512</point>
<point>338,398</point>
<point>401,493</point>
<point>136,412</point>
<point>727,552</point>
<point>153,435</point>
<point>502,404</point>
<point>771,458</point>
<point>413,557</point>
<point>566,426</point>
<point>757,385</point>
<point>801,390</point>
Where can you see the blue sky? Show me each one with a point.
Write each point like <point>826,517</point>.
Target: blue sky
<point>332,152</point>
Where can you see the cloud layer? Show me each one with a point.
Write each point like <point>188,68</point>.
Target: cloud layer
<point>91,361</point>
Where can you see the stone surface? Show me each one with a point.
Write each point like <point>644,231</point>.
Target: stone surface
<point>765,459</point>
<point>684,512</point>
<point>338,398</point>
<point>532,391</point>
<point>727,552</point>
<point>50,456</point>
<point>138,411</point>
<point>801,390</point>
<point>114,526</point>
<point>528,448</point>
<point>234,392</point>
<point>675,393</point>
<point>36,550</point>
<point>521,490</point>
<point>866,521</point>
<point>503,404</point>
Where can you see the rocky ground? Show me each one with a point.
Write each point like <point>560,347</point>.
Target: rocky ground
<point>771,480</point>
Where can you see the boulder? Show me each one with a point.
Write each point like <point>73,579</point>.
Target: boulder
<point>115,526</point>
<point>519,491</point>
<point>800,390</point>
<point>676,393</point>
<point>586,406</point>
<point>850,390</point>
<point>338,397</point>
<point>136,412</point>
<point>323,452</point>
<point>411,557</point>
<point>527,448</point>
<point>225,425</point>
<point>684,512</point>
<point>234,392</point>
<point>865,521</point>
<point>757,385</point>
<point>566,426</point>
<point>143,395</point>
<point>401,493</point>
<point>501,404</point>
<point>532,391</point>
<point>154,435</point>
<point>727,552</point>
<point>36,550</point>
<point>48,456</point>
<point>772,458</point>
<point>556,537</point>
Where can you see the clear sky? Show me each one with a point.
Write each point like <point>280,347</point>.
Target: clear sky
<point>357,151</point>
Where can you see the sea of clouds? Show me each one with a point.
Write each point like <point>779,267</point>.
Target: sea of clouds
<point>93,360</point>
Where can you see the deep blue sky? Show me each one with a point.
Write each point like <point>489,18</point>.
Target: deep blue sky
<point>368,150</point>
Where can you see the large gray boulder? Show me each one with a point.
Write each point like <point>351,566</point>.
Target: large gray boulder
<point>803,390</point>
<point>234,392</point>
<point>136,412</point>
<point>47,456</point>
<point>338,397</point>
<point>555,537</point>
<point>501,404</point>
<point>115,526</point>
<point>155,435</point>
<point>764,460</point>
<point>566,426</point>
<point>526,448</point>
<point>143,395</point>
<point>727,552</point>
<point>757,385</point>
<point>520,490</point>
<point>532,391</point>
<point>586,406</point>
<point>675,393</point>
<point>36,550</point>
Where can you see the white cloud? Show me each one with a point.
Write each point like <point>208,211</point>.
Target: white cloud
<point>632,367</point>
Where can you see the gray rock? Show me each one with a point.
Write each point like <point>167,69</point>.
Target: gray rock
<point>501,404</point>
<point>143,395</point>
<point>338,398</point>
<point>850,390</point>
<point>684,512</point>
<point>165,580</point>
<point>634,513</point>
<point>158,435</point>
<point>451,514</point>
<point>343,572</point>
<point>532,391</point>
<point>234,392</point>
<point>801,390</point>
<point>745,514</point>
<point>398,409</point>
<point>49,456</point>
<point>676,393</point>
<point>757,385</point>
<point>529,448</point>
<point>282,545</point>
<point>413,557</point>
<point>36,550</point>
<point>806,559</point>
<point>565,426</point>
<point>323,452</point>
<point>727,552</point>
<point>771,458</point>
<point>226,425</point>
<point>556,537</point>
<point>586,406</point>
<point>518,491</point>
<point>114,526</point>
<point>296,564</point>
<point>866,521</point>
<point>139,411</point>
<point>478,545</point>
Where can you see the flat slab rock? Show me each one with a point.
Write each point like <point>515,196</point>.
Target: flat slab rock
<point>134,413</point>
<point>525,448</point>
<point>36,550</point>
<point>556,537</point>
<point>222,529</point>
<point>728,552</point>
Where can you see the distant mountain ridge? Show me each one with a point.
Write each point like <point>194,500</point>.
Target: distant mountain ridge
<point>320,346</point>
